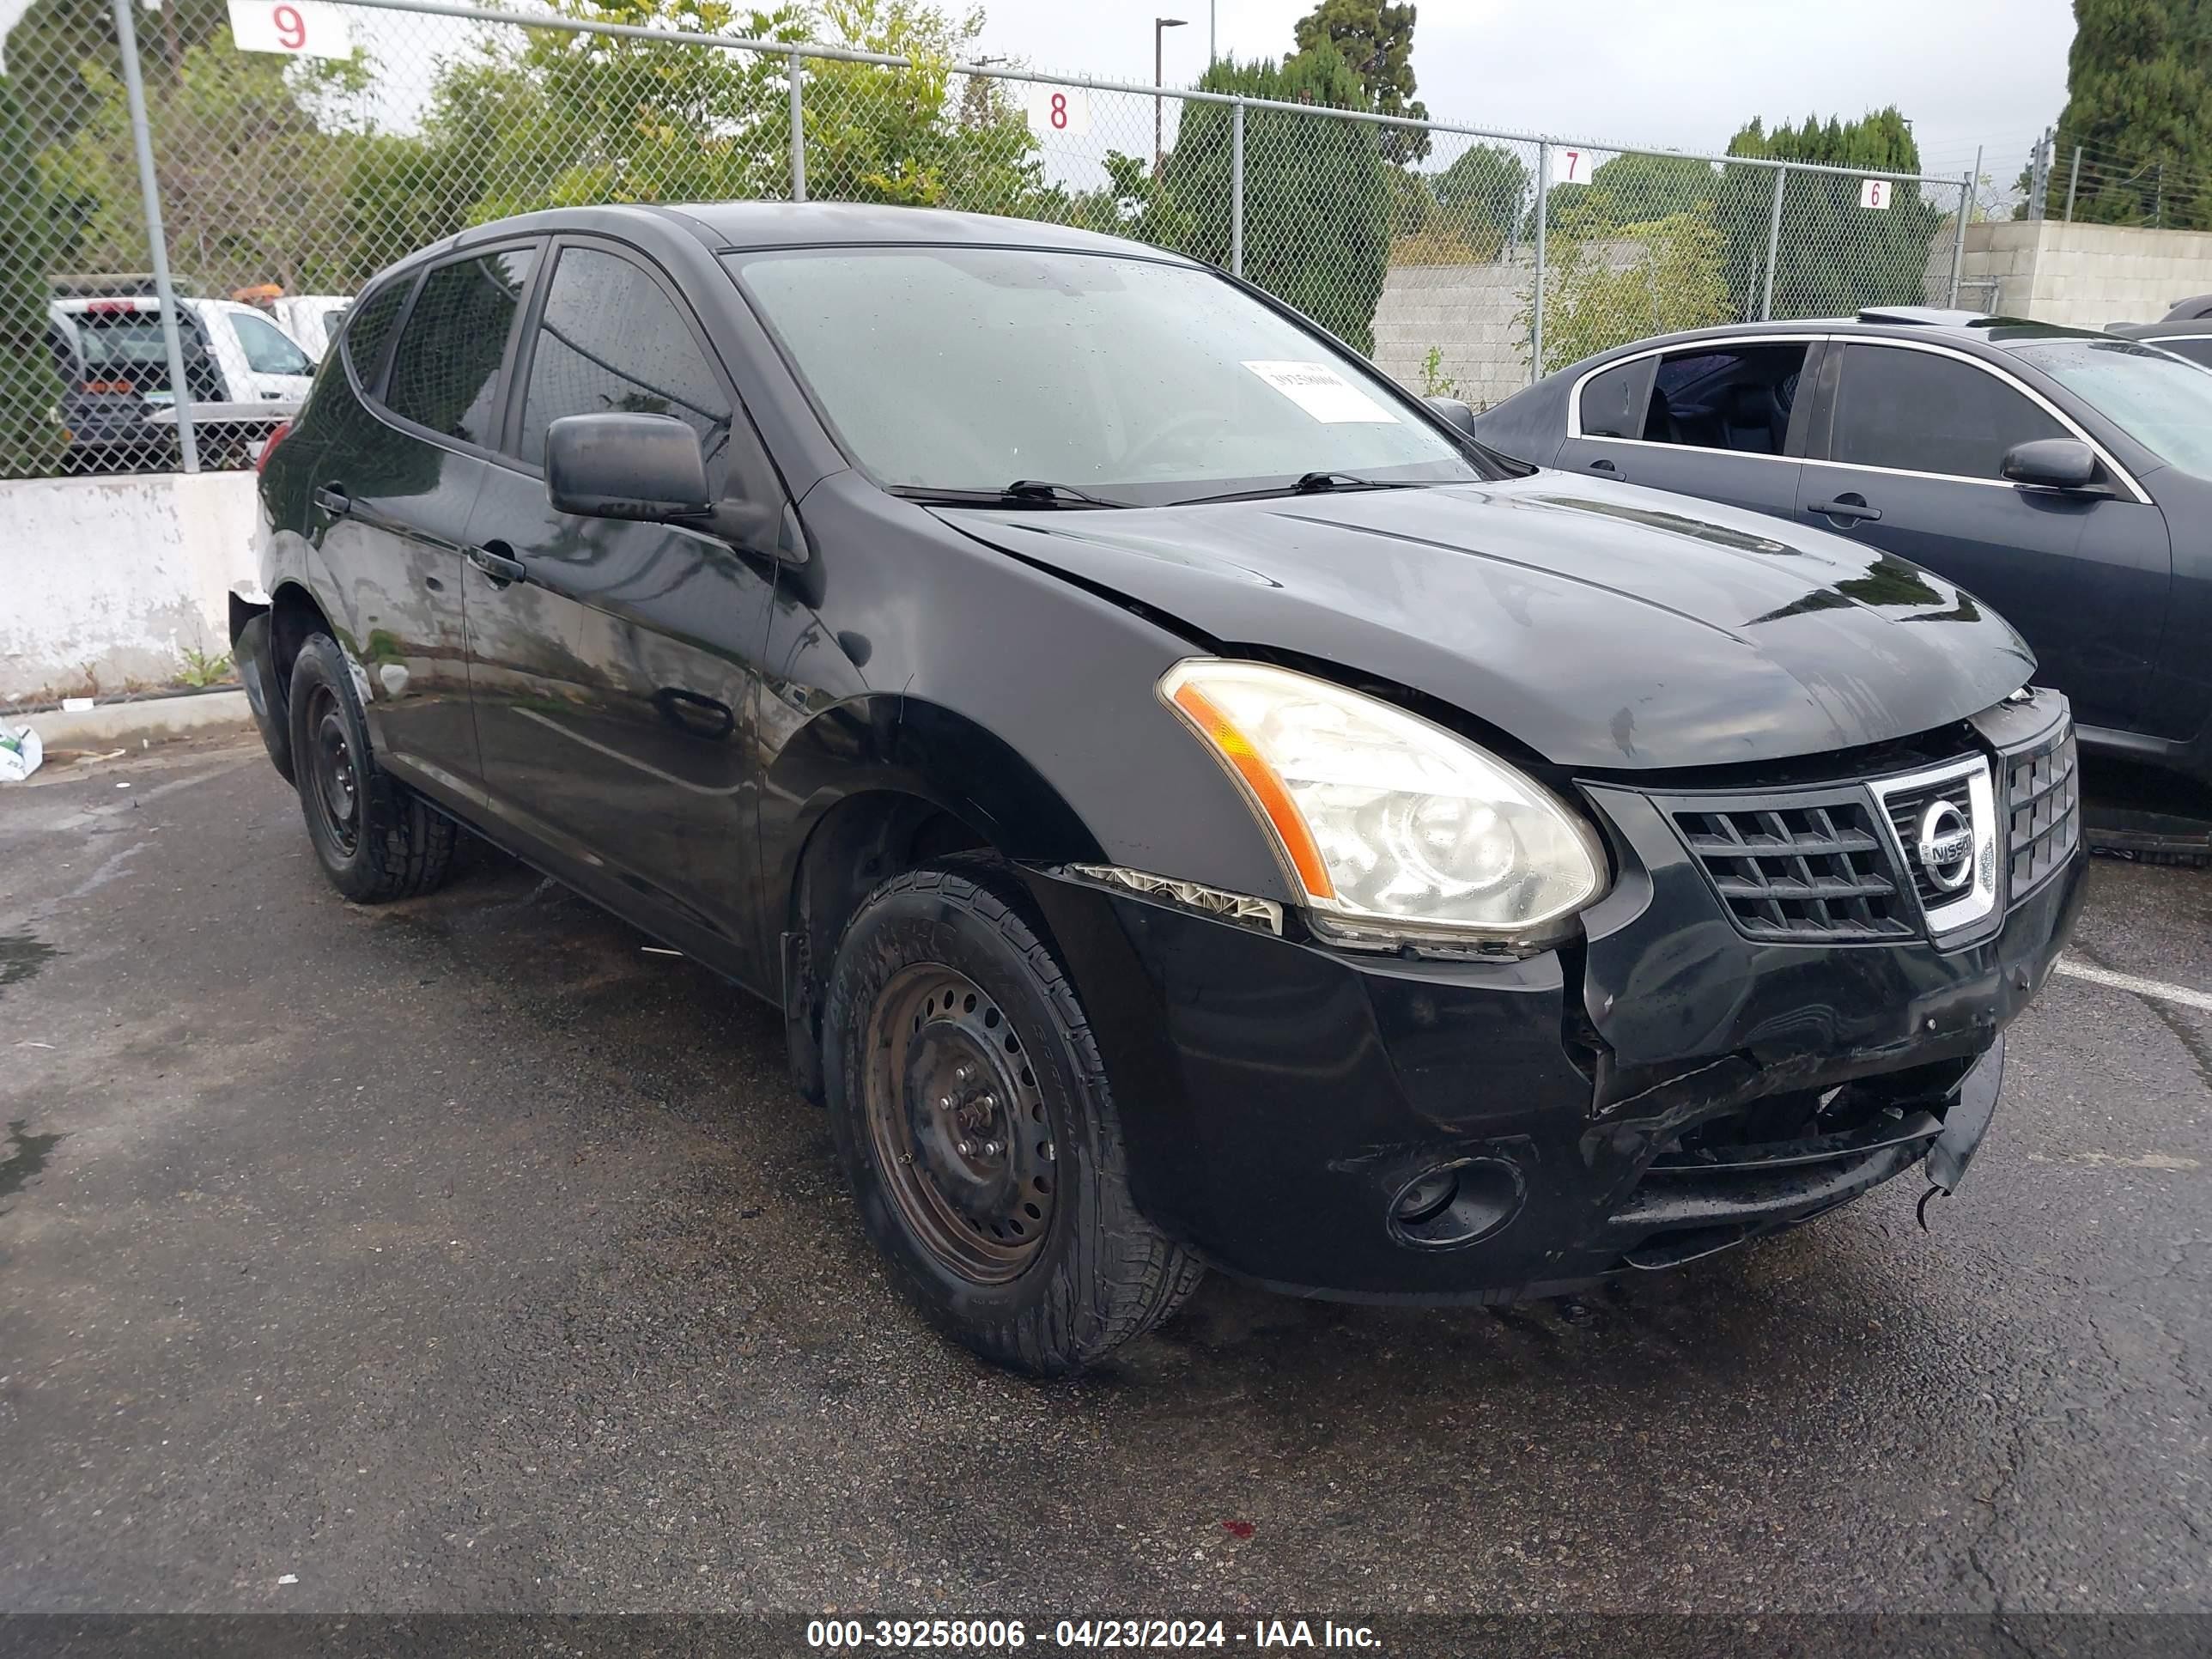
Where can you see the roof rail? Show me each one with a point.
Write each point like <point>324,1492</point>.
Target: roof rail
<point>1922,316</point>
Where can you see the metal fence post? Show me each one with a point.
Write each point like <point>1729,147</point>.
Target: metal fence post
<point>798,129</point>
<point>1536,302</point>
<point>134,88</point>
<point>1773,243</point>
<point>1959,241</point>
<point>1236,187</point>
<point>2073,184</point>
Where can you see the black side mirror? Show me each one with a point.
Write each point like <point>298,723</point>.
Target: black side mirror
<point>1456,414</point>
<point>2052,464</point>
<point>625,466</point>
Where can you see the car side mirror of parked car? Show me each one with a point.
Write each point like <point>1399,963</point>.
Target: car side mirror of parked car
<point>625,466</point>
<point>1456,414</point>
<point>2052,464</point>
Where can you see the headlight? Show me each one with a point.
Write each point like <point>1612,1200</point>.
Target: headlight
<point>1393,825</point>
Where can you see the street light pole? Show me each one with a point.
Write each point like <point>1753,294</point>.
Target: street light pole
<point>1160,26</point>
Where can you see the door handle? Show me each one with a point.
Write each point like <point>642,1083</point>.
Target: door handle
<point>1852,507</point>
<point>1603,465</point>
<point>333,499</point>
<point>496,562</point>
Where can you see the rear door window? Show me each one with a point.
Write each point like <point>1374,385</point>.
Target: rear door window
<point>1921,412</point>
<point>610,340</point>
<point>1740,398</point>
<point>445,370</point>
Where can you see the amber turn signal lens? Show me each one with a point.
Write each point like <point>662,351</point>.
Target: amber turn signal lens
<point>1261,778</point>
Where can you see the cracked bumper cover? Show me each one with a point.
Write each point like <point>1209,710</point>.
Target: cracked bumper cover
<point>1277,1095</point>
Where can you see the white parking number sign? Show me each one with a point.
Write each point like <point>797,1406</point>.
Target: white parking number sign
<point>297,28</point>
<point>1574,167</point>
<point>1874,193</point>
<point>1056,112</point>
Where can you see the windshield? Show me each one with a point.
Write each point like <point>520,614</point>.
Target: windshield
<point>2163,404</point>
<point>961,368</point>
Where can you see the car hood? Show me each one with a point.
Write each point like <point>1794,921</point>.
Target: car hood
<point>1603,625</point>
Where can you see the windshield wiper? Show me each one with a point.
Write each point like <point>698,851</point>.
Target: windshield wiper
<point>1022,492</point>
<point>1318,483</point>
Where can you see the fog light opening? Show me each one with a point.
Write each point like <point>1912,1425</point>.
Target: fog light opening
<point>1456,1204</point>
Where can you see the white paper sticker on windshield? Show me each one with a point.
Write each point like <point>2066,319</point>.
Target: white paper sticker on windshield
<point>1323,392</point>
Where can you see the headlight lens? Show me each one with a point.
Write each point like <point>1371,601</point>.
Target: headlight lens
<point>1392,824</point>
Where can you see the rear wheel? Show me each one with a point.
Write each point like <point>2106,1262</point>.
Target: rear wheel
<point>973,1117</point>
<point>376,839</point>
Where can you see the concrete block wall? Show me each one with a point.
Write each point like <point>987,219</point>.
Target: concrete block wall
<point>1468,314</point>
<point>2086,276</point>
<point>109,580</point>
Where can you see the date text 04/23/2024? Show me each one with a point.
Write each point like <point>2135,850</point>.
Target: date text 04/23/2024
<point>994,1635</point>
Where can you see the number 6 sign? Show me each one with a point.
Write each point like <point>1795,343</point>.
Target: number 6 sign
<point>1874,193</point>
<point>297,28</point>
<point>1057,112</point>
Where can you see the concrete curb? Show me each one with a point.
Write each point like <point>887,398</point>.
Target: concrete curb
<point>115,725</point>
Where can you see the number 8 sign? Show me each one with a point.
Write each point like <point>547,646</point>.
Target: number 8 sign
<point>297,28</point>
<point>1058,112</point>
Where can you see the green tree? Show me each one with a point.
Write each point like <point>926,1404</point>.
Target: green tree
<point>31,435</point>
<point>1834,256</point>
<point>1484,193</point>
<point>1376,38</point>
<point>248,176</point>
<point>48,47</point>
<point>541,117</point>
<point>1634,188</point>
<point>1317,195</point>
<point>879,134</point>
<point>2139,102</point>
<point>1595,298</point>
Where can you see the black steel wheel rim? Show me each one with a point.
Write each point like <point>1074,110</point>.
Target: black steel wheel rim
<point>336,785</point>
<point>959,1124</point>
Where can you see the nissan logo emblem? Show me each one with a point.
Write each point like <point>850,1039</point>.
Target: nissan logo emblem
<point>1946,846</point>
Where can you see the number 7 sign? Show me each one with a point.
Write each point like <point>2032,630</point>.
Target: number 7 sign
<point>296,28</point>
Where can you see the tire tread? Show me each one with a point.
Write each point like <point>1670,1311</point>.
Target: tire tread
<point>1124,1277</point>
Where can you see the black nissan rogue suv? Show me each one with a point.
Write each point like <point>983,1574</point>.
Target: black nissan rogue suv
<point>1192,804</point>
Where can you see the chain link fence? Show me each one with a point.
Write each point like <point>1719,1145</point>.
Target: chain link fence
<point>284,176</point>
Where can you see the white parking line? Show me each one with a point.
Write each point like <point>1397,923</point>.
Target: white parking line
<point>2142,988</point>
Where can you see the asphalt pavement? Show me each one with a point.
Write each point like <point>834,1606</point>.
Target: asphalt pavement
<point>462,1253</point>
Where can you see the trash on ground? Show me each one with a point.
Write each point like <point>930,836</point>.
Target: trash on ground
<point>21,751</point>
<point>75,705</point>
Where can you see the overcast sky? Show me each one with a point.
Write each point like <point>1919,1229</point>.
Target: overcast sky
<point>1682,74</point>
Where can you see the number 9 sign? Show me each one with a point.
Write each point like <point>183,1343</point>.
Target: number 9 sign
<point>1057,112</point>
<point>296,28</point>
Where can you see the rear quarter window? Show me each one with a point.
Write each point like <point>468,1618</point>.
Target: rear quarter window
<point>370,331</point>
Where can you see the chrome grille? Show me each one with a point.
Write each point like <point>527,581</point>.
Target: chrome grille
<point>2043,809</point>
<point>1815,867</point>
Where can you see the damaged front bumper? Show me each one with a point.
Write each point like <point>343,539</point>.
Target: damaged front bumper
<point>1663,1087</point>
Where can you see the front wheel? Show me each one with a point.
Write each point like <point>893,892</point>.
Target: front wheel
<point>974,1118</point>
